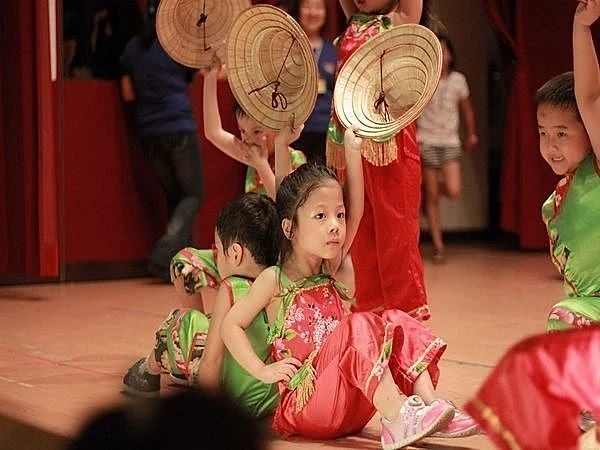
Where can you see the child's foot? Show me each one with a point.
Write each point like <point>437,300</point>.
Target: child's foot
<point>415,421</point>
<point>462,424</point>
<point>439,257</point>
<point>141,383</point>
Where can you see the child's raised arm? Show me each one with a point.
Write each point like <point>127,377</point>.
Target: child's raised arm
<point>209,371</point>
<point>355,186</point>
<point>283,161</point>
<point>240,317</point>
<point>348,7</point>
<point>408,11</point>
<point>586,71</point>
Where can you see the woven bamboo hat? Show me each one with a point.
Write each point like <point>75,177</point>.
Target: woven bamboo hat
<point>271,67</point>
<point>387,82</point>
<point>190,31</point>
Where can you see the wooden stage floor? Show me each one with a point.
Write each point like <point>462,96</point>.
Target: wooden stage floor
<point>65,347</point>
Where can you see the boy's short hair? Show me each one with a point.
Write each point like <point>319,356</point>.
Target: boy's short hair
<point>558,91</point>
<point>238,111</point>
<point>252,221</point>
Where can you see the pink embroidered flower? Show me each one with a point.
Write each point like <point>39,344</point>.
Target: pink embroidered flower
<point>278,348</point>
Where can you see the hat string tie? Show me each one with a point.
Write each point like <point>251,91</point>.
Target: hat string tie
<point>381,99</point>
<point>202,23</point>
<point>277,98</point>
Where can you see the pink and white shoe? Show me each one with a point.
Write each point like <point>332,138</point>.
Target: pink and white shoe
<point>415,421</point>
<point>462,425</point>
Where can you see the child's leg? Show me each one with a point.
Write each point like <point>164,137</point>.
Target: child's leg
<point>575,312</point>
<point>534,396</point>
<point>195,277</point>
<point>352,381</point>
<point>432,197</point>
<point>451,171</point>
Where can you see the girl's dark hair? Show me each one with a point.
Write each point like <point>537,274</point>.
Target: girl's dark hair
<point>148,34</point>
<point>446,40</point>
<point>238,111</point>
<point>251,220</point>
<point>293,193</point>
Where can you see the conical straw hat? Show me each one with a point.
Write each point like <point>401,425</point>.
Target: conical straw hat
<point>190,31</point>
<point>388,81</point>
<point>271,67</point>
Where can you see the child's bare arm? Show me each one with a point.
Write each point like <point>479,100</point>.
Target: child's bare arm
<point>213,128</point>
<point>209,371</point>
<point>348,7</point>
<point>239,318</point>
<point>355,187</point>
<point>408,11</point>
<point>466,109</point>
<point>283,161</point>
<point>586,70</point>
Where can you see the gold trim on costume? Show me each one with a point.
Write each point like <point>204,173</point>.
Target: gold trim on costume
<point>488,414</point>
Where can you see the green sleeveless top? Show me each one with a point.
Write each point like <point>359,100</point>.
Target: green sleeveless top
<point>572,218</point>
<point>254,182</point>
<point>258,398</point>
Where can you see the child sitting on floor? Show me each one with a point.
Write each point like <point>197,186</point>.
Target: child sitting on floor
<point>335,370</point>
<point>188,343</point>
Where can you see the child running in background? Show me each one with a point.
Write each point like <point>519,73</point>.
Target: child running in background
<point>188,344</point>
<point>569,125</point>
<point>336,369</point>
<point>438,136</point>
<point>194,272</point>
<point>387,262</point>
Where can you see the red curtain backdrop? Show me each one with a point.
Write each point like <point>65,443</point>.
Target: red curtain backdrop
<point>19,241</point>
<point>540,39</point>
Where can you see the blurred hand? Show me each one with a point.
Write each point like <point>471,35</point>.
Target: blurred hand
<point>216,68</point>
<point>289,133</point>
<point>471,142</point>
<point>587,12</point>
<point>282,370</point>
<point>352,142</point>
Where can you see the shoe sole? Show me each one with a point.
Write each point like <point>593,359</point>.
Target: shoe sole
<point>458,434</point>
<point>177,381</point>
<point>444,420</point>
<point>140,394</point>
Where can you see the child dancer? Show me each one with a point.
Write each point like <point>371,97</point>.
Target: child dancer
<point>437,134</point>
<point>558,373</point>
<point>336,370</point>
<point>568,121</point>
<point>193,271</point>
<point>187,347</point>
<point>387,263</point>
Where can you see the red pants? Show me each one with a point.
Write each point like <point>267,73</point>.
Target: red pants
<point>385,253</point>
<point>533,398</point>
<point>345,366</point>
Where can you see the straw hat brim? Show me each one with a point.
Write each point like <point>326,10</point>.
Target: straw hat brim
<point>190,37</point>
<point>266,46</point>
<point>407,60</point>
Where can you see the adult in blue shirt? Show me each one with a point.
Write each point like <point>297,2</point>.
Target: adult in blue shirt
<point>312,17</point>
<point>169,135</point>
